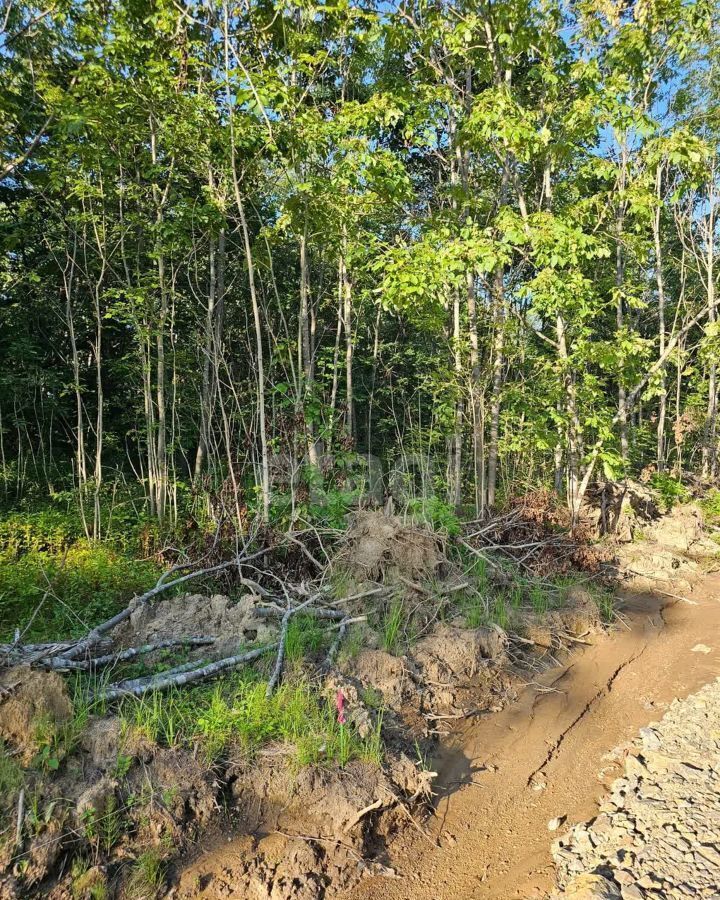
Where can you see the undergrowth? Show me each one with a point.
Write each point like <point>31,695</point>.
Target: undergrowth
<point>83,585</point>
<point>237,713</point>
<point>669,490</point>
<point>11,775</point>
<point>147,879</point>
<point>710,506</point>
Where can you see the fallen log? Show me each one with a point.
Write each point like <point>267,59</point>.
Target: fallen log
<point>164,680</point>
<point>60,663</point>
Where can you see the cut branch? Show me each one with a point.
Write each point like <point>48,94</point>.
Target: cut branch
<point>164,681</point>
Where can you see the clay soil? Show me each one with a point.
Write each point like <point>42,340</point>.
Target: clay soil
<point>551,755</point>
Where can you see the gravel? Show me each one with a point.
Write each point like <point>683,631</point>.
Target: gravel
<point>657,834</point>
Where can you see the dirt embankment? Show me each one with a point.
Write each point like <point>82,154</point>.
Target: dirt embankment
<point>99,795</point>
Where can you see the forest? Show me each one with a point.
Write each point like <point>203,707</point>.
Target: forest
<point>246,246</point>
<point>391,329</point>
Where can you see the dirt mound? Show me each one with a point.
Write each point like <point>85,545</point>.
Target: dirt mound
<point>194,615</point>
<point>673,549</point>
<point>581,614</point>
<point>682,531</point>
<point>552,630</point>
<point>380,547</point>
<point>33,703</point>
<point>620,509</point>
<point>452,653</point>
<point>444,672</point>
<point>187,787</point>
<point>101,741</point>
<point>383,673</point>
<point>314,827</point>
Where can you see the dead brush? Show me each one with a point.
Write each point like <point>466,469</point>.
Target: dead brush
<point>535,534</point>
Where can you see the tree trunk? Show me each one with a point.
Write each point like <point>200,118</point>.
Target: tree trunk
<point>476,399</point>
<point>497,378</point>
<point>660,281</point>
<point>161,471</point>
<point>348,326</point>
<point>709,450</point>
<point>208,348</point>
<point>619,301</point>
<point>305,355</point>
<point>68,278</point>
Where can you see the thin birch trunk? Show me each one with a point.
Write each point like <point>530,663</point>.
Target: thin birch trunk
<point>660,282</point>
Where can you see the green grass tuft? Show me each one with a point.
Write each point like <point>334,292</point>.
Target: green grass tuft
<point>147,878</point>
<point>392,627</point>
<point>236,712</point>
<point>11,775</point>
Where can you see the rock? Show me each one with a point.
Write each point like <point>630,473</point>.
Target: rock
<point>632,892</point>
<point>658,833</point>
<point>555,823</point>
<point>592,887</point>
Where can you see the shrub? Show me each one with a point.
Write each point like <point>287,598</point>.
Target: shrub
<point>435,513</point>
<point>710,506</point>
<point>669,490</point>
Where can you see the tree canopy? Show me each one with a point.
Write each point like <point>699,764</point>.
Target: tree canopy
<point>248,247</point>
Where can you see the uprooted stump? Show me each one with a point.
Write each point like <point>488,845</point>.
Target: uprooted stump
<point>380,548</point>
<point>619,509</point>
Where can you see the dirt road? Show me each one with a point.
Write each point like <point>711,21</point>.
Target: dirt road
<point>507,776</point>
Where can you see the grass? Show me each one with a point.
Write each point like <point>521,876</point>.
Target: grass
<point>354,642</point>
<point>88,882</point>
<point>392,627</point>
<point>56,741</point>
<point>540,599</point>
<point>486,605</point>
<point>147,878</point>
<point>500,615</point>
<point>605,601</point>
<point>11,775</point>
<point>85,584</point>
<point>710,506</point>
<point>475,609</point>
<point>669,490</point>
<point>305,635</point>
<point>236,712</point>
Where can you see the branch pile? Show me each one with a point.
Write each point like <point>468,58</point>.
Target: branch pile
<point>98,649</point>
<point>535,534</point>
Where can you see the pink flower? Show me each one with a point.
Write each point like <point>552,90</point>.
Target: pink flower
<point>340,704</point>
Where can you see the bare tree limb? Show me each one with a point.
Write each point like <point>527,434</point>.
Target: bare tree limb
<point>277,671</point>
<point>164,681</point>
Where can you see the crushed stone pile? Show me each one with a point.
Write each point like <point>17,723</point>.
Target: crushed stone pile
<point>657,834</point>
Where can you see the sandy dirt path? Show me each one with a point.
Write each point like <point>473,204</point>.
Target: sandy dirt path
<point>490,837</point>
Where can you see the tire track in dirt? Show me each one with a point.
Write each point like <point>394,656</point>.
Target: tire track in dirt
<point>552,753</point>
<point>541,757</point>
